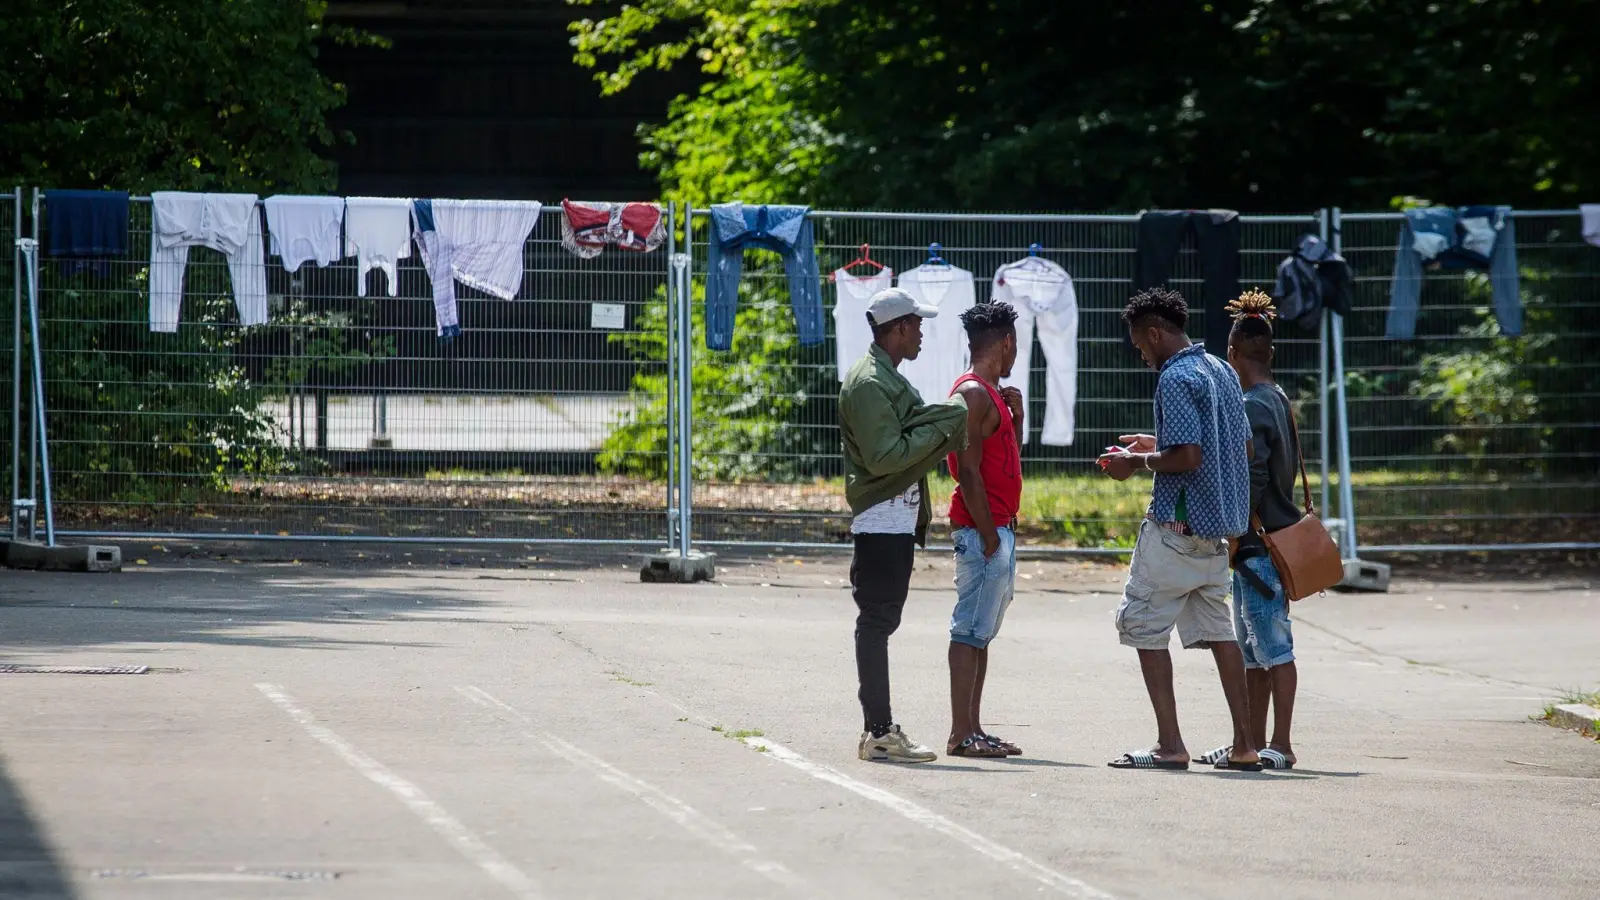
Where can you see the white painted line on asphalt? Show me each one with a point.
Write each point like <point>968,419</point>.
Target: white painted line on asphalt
<point>441,821</point>
<point>689,818</point>
<point>1064,884</point>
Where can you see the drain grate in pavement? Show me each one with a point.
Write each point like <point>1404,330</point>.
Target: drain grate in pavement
<point>229,875</point>
<point>12,669</point>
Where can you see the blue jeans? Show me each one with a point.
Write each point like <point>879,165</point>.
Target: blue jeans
<point>1261,623</point>
<point>983,586</point>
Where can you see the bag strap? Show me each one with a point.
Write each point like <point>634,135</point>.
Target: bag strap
<point>1300,457</point>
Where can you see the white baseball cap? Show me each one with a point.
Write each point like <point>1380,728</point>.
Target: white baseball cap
<point>894,303</point>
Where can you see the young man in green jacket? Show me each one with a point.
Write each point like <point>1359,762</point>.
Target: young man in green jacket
<point>891,441</point>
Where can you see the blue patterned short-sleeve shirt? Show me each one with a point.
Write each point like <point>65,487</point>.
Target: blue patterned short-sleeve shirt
<point>1199,401</point>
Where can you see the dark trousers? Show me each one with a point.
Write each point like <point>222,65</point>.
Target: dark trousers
<point>1216,237</point>
<point>880,576</point>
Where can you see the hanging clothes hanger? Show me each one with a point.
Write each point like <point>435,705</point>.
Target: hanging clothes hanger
<point>1034,248</point>
<point>1032,261</point>
<point>936,255</point>
<point>864,259</point>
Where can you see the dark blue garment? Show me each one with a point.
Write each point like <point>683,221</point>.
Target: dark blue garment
<point>1473,237</point>
<point>785,230</point>
<point>86,227</point>
<point>424,211</point>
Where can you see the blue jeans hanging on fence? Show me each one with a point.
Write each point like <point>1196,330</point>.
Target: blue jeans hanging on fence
<point>1405,292</point>
<point>785,230</point>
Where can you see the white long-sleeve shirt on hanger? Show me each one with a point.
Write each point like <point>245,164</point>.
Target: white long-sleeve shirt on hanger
<point>227,223</point>
<point>303,229</point>
<point>852,334</point>
<point>1043,296</point>
<point>944,356</point>
<point>377,232</point>
<point>476,242</point>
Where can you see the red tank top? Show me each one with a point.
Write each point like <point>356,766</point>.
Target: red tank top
<point>1001,467</point>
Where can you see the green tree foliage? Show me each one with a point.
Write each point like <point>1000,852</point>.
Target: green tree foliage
<point>167,95</point>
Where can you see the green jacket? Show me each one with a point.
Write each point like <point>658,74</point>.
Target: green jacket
<point>891,438</point>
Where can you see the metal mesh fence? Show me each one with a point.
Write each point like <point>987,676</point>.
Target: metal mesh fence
<point>766,443</point>
<point>1460,436</point>
<point>346,416</point>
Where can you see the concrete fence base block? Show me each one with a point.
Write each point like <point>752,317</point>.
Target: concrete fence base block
<point>1577,716</point>
<point>670,568</point>
<point>1361,575</point>
<point>87,558</point>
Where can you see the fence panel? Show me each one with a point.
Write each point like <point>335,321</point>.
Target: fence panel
<point>767,453</point>
<point>347,417</point>
<point>1461,436</point>
<point>11,285</point>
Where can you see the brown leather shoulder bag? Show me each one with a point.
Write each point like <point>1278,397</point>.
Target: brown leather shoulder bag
<point>1304,553</point>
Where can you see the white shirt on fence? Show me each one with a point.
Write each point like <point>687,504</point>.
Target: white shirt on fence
<point>944,355</point>
<point>377,232</point>
<point>227,223</point>
<point>852,334</point>
<point>1042,294</point>
<point>479,243</point>
<point>301,229</point>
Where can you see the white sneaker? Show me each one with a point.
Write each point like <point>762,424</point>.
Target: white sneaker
<point>893,747</point>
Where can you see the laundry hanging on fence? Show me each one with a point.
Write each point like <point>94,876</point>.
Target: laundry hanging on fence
<point>586,228</point>
<point>85,228</point>
<point>1042,294</point>
<point>227,223</point>
<point>1310,277</point>
<point>476,242</point>
<point>377,232</point>
<point>1590,214</point>
<point>1472,237</point>
<point>301,229</point>
<point>1216,234</point>
<point>945,355</point>
<point>851,333</point>
<point>785,230</point>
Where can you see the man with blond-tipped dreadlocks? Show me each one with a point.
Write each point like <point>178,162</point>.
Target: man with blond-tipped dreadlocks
<point>1260,608</point>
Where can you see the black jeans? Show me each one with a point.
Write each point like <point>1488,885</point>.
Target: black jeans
<point>880,576</point>
<point>1216,237</point>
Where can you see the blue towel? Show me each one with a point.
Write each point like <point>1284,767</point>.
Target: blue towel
<point>86,226</point>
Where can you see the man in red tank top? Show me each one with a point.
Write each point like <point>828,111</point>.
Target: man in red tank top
<point>983,514</point>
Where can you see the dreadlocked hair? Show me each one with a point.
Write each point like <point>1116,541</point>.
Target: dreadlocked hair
<point>1252,313</point>
<point>1160,304</point>
<point>988,322</point>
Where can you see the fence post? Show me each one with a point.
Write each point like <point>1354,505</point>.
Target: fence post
<point>30,252</point>
<point>33,420</point>
<point>672,374</point>
<point>683,262</point>
<point>1322,379</point>
<point>1347,503</point>
<point>16,365</point>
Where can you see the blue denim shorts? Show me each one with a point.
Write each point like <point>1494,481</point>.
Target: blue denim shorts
<point>983,586</point>
<point>1261,624</point>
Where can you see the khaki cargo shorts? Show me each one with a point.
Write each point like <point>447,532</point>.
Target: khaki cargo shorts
<point>1175,580</point>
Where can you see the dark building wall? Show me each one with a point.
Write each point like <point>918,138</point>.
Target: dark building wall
<point>481,99</point>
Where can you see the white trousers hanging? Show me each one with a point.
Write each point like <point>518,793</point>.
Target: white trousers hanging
<point>1058,337</point>
<point>227,223</point>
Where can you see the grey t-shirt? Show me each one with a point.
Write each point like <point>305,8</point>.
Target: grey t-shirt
<point>1274,465</point>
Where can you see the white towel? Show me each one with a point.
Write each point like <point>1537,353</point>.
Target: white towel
<point>479,243</point>
<point>304,228</point>
<point>227,223</point>
<point>1591,222</point>
<point>377,232</point>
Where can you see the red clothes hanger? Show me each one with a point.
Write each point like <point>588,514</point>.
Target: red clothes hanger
<point>865,259</point>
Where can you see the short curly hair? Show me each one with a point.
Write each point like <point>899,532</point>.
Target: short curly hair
<point>1166,306</point>
<point>988,322</point>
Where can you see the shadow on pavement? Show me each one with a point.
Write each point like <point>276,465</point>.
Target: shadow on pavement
<point>29,869</point>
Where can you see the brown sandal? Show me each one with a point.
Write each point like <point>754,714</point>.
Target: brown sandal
<point>975,747</point>
<point>1010,748</point>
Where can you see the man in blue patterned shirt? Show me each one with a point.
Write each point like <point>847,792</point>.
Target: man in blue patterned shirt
<point>1179,575</point>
